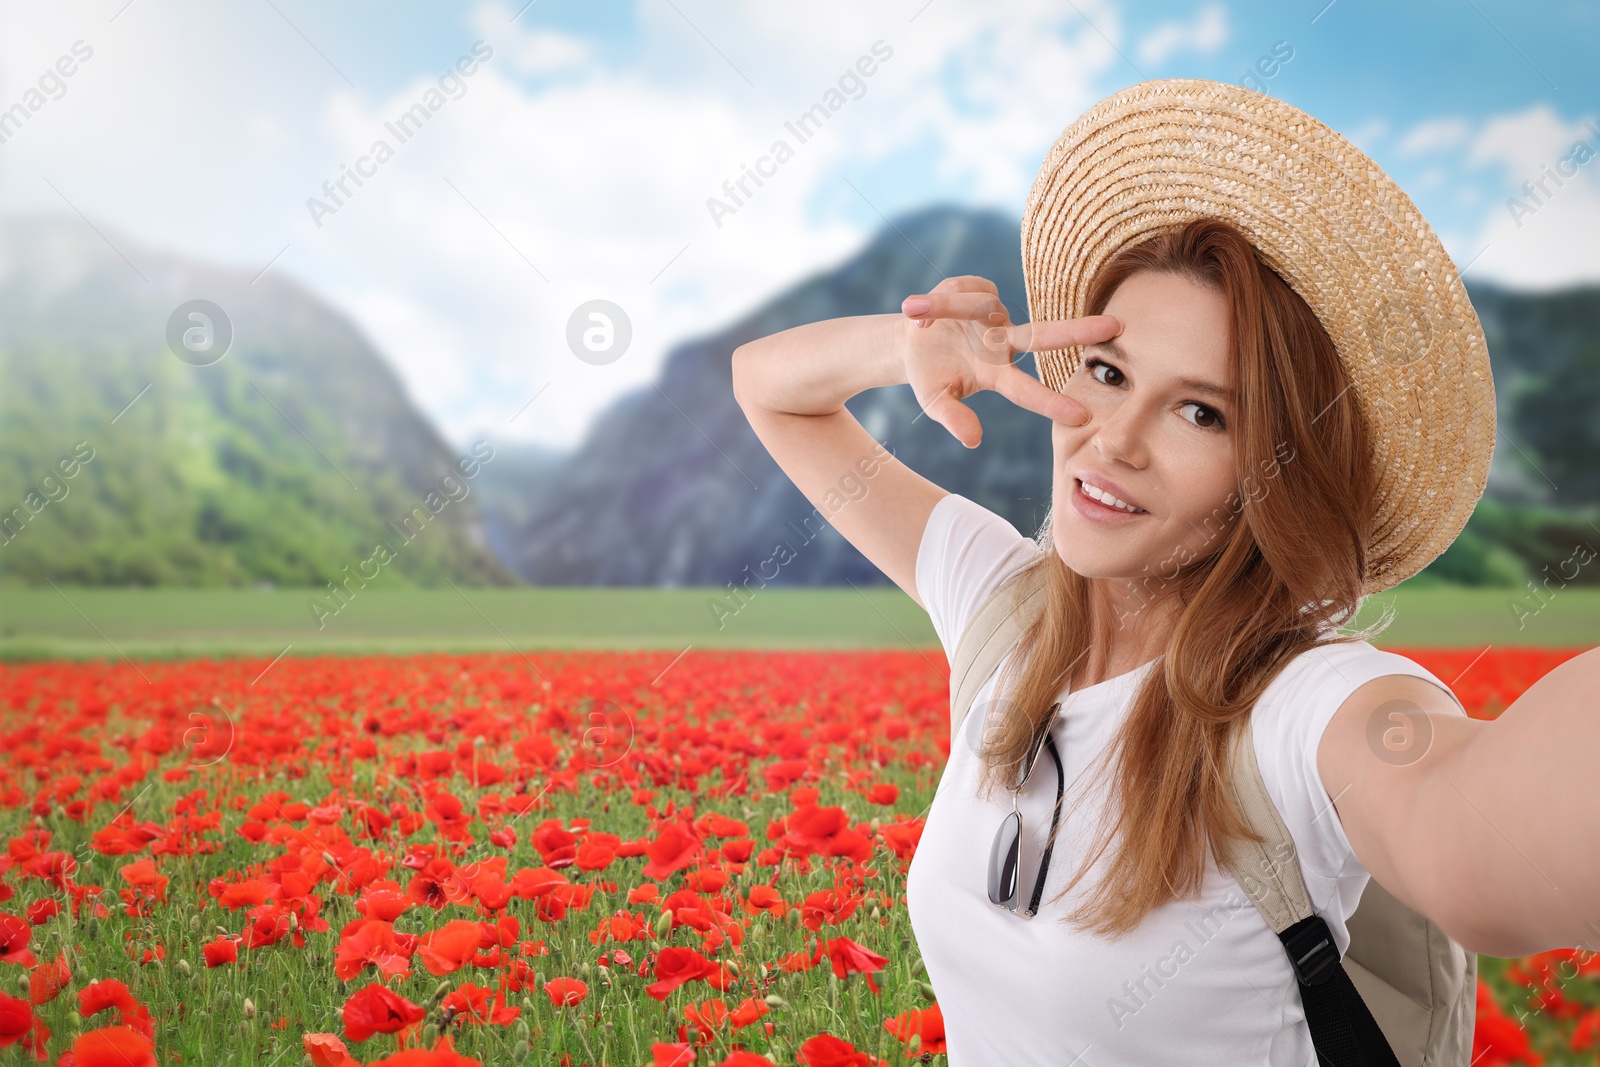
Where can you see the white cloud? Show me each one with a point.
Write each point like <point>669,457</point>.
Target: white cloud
<point>602,181</point>
<point>1368,134</point>
<point>1434,135</point>
<point>1540,234</point>
<point>1205,34</point>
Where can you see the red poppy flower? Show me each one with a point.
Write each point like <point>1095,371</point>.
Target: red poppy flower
<point>673,1055</point>
<point>113,1046</point>
<point>383,900</point>
<point>925,1024</point>
<point>676,965</point>
<point>673,849</point>
<point>326,1050</point>
<point>220,951</point>
<point>378,1010</point>
<point>566,991</point>
<point>142,875</point>
<point>19,1024</point>
<point>445,950</point>
<point>443,1054</point>
<point>48,979</point>
<point>14,937</point>
<point>741,1058</point>
<point>243,894</point>
<point>476,1005</point>
<point>749,1010</point>
<point>557,845</point>
<point>825,1050</point>
<point>371,942</point>
<point>105,993</point>
<point>42,911</point>
<point>435,885</point>
<point>446,811</point>
<point>850,958</point>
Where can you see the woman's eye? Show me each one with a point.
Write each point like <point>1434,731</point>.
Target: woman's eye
<point>1094,367</point>
<point>1216,422</point>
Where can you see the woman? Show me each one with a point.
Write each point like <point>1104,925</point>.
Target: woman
<point>1237,460</point>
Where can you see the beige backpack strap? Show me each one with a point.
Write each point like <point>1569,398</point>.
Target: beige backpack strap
<point>993,631</point>
<point>1270,871</point>
<point>1342,1028</point>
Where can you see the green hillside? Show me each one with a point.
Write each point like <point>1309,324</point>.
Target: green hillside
<point>288,461</point>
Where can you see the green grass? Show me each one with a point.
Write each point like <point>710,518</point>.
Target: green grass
<point>95,623</point>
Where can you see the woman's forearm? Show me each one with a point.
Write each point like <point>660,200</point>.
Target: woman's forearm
<point>813,369</point>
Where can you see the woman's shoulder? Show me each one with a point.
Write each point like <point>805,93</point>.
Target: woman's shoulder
<point>1328,672</point>
<point>966,553</point>
<point>1288,722</point>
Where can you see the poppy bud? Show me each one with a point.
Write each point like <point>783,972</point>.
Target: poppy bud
<point>440,993</point>
<point>926,990</point>
<point>775,1001</point>
<point>249,1008</point>
<point>919,968</point>
<point>184,968</point>
<point>664,923</point>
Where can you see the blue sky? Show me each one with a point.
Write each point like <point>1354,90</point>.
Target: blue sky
<point>577,161</point>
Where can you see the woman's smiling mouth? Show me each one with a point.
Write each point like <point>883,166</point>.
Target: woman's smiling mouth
<point>1099,505</point>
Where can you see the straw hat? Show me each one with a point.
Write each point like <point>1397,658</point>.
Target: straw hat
<point>1337,229</point>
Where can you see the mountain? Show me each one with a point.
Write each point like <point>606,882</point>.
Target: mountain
<point>671,486</point>
<point>130,459</point>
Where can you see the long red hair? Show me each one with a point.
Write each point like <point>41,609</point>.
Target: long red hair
<point>1278,576</point>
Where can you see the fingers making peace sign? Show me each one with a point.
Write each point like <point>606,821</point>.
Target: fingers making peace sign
<point>961,339</point>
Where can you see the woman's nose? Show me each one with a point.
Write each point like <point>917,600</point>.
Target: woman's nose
<point>1117,434</point>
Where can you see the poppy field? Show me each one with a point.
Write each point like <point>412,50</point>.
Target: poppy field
<point>596,858</point>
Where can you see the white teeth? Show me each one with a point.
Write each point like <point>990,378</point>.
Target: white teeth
<point>1106,498</point>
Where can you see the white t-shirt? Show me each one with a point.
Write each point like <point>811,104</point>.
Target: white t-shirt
<point>1200,981</point>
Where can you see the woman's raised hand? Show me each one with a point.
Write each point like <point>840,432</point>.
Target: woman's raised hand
<point>959,339</point>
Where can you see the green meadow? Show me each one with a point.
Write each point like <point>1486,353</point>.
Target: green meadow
<point>97,622</point>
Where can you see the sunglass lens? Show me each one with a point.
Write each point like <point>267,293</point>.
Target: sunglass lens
<point>1004,857</point>
<point>1033,758</point>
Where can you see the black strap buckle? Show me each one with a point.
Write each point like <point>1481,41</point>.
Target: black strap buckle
<point>1311,950</point>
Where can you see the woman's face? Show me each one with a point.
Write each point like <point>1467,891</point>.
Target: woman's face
<point>1163,444</point>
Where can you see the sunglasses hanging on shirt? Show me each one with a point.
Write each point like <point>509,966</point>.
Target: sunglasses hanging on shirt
<point>1005,854</point>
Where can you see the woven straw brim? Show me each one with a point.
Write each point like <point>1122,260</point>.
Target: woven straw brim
<point>1336,228</point>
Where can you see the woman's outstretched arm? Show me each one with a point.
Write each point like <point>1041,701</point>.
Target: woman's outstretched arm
<point>1491,830</point>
